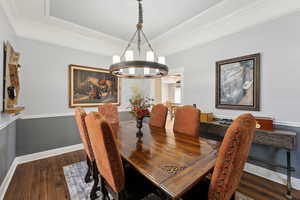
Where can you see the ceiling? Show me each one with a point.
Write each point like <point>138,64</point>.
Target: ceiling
<point>119,17</point>
<point>104,26</point>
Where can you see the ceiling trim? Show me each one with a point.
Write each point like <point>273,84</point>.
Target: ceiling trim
<point>194,32</point>
<point>56,31</point>
<point>10,10</point>
<point>75,27</point>
<point>225,18</point>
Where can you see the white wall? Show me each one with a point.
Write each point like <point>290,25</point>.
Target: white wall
<point>7,129</point>
<point>6,34</point>
<point>279,44</point>
<point>45,76</point>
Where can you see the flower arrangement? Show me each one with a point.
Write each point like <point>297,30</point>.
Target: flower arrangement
<point>139,104</point>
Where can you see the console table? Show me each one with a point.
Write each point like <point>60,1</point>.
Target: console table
<point>277,139</point>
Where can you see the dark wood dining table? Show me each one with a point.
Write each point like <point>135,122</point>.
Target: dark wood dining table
<point>173,162</point>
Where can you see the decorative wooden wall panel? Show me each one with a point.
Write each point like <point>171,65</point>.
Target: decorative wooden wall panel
<point>11,84</point>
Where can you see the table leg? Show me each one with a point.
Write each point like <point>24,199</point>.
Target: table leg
<point>289,175</point>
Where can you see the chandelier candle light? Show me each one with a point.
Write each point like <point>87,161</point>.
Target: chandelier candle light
<point>126,66</point>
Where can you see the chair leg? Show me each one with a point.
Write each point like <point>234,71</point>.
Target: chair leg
<point>233,197</point>
<point>122,195</point>
<point>87,178</point>
<point>93,194</point>
<point>104,191</point>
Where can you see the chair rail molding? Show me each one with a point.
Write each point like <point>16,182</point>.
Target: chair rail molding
<point>28,116</point>
<point>6,120</point>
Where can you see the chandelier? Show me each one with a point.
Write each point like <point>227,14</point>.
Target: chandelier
<point>126,67</point>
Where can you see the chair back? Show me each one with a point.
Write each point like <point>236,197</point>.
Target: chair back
<point>158,116</point>
<point>107,156</point>
<point>231,159</point>
<point>187,120</point>
<point>80,115</point>
<point>110,112</point>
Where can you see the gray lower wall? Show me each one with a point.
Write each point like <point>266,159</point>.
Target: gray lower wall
<point>7,148</point>
<point>41,134</point>
<point>275,155</point>
<point>271,154</point>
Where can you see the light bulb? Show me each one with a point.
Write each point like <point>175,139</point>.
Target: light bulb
<point>131,70</point>
<point>129,55</point>
<point>162,60</point>
<point>150,56</point>
<point>146,70</point>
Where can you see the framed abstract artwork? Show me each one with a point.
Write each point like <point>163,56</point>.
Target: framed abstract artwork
<point>90,87</point>
<point>238,83</point>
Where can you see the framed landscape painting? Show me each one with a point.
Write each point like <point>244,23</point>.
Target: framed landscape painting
<point>238,83</point>
<point>90,87</point>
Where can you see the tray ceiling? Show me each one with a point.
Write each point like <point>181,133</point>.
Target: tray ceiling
<point>118,17</point>
<point>104,26</point>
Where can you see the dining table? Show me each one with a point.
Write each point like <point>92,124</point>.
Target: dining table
<point>174,162</point>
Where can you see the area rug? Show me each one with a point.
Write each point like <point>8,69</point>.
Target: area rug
<point>79,190</point>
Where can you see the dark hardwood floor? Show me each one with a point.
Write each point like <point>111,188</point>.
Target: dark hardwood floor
<point>44,180</point>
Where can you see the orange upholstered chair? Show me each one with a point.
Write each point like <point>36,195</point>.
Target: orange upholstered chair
<point>158,116</point>
<point>232,155</point>
<point>110,112</point>
<point>107,156</point>
<point>231,159</point>
<point>80,115</point>
<point>187,119</point>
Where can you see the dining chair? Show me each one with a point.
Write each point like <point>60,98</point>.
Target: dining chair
<point>108,159</point>
<point>80,115</point>
<point>187,120</point>
<point>158,116</point>
<point>231,159</point>
<point>232,156</point>
<point>110,112</point>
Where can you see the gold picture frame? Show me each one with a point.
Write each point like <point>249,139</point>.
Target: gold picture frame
<point>91,87</point>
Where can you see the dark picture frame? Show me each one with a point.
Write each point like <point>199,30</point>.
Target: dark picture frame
<point>238,83</point>
<point>91,87</point>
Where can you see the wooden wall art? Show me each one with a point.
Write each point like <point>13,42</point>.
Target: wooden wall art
<point>11,84</point>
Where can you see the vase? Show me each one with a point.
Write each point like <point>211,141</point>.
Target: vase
<point>139,125</point>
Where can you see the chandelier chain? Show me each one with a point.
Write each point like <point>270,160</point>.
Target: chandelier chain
<point>148,43</point>
<point>141,17</point>
<point>129,44</point>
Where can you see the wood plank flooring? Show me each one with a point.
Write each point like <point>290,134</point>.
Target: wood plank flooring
<point>44,180</point>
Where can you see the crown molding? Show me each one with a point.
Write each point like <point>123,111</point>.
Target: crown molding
<point>89,41</point>
<point>11,12</point>
<point>227,17</point>
<point>56,31</point>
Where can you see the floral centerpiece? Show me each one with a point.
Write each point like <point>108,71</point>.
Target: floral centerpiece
<point>139,106</point>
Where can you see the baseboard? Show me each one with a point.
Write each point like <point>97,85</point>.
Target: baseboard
<point>32,157</point>
<point>48,153</point>
<point>7,178</point>
<point>271,175</point>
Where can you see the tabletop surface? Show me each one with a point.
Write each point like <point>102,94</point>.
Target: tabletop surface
<point>172,161</point>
